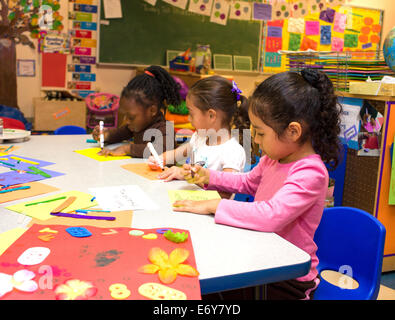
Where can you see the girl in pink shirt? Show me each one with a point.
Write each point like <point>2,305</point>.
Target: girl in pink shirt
<point>295,119</point>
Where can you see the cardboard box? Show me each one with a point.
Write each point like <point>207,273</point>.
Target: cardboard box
<point>50,115</point>
<point>372,88</point>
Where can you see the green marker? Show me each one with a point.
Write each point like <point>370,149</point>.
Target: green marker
<point>45,201</point>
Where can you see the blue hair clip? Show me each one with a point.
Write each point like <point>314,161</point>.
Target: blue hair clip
<point>236,89</point>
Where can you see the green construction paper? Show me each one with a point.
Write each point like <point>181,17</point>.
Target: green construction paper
<point>351,40</point>
<point>294,41</point>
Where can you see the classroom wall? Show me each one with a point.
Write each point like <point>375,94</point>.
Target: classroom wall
<point>112,80</point>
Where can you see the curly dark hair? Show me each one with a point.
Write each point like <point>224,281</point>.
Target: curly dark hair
<point>308,98</point>
<point>154,87</point>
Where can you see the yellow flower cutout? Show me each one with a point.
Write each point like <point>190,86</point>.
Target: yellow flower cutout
<point>75,289</point>
<point>168,266</point>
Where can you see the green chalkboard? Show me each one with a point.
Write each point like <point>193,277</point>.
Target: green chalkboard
<point>145,32</point>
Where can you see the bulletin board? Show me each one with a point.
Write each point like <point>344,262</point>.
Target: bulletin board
<point>341,28</point>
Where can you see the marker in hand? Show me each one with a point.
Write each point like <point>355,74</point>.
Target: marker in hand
<point>101,128</point>
<point>193,163</point>
<point>155,154</point>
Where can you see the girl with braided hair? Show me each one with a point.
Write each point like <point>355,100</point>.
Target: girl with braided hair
<point>143,104</point>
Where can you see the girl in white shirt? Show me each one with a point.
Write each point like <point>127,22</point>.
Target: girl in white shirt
<point>215,106</point>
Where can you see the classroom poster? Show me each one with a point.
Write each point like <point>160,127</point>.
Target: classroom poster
<point>350,121</point>
<point>81,64</point>
<point>337,28</point>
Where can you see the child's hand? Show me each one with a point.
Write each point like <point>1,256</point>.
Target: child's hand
<point>171,174</point>
<point>120,151</point>
<point>200,207</point>
<point>153,164</point>
<point>96,133</point>
<point>196,174</point>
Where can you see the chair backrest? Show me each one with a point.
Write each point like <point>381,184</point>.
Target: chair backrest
<point>338,175</point>
<point>70,130</point>
<point>247,197</point>
<point>16,114</point>
<point>350,239</point>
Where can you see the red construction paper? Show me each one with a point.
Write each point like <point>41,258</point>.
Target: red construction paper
<point>54,70</point>
<point>102,259</point>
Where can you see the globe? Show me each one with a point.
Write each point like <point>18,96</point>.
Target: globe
<point>389,49</point>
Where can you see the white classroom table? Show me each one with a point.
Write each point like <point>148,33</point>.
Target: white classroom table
<point>227,257</point>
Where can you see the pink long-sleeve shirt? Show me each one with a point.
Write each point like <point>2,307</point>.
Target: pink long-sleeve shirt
<point>289,200</point>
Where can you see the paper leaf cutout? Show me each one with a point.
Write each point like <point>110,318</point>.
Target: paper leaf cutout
<point>176,237</point>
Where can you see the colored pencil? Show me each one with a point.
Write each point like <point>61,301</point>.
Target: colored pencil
<point>79,216</point>
<point>45,201</point>
<point>14,189</point>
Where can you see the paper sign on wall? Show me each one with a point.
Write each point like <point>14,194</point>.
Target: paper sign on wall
<point>112,9</point>
<point>220,12</point>
<point>202,7</point>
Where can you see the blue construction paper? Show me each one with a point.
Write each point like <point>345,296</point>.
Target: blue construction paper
<point>14,177</point>
<point>326,35</point>
<point>276,32</point>
<point>25,165</point>
<point>78,232</point>
<point>262,11</point>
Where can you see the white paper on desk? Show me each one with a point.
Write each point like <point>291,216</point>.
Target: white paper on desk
<point>127,197</point>
<point>112,9</point>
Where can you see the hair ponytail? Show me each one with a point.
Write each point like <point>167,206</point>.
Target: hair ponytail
<point>326,129</point>
<point>307,97</point>
<point>168,85</point>
<point>154,87</point>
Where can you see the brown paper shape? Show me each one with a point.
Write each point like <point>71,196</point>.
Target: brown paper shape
<point>142,169</point>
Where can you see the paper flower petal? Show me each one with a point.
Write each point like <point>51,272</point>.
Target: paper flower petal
<point>5,284</point>
<point>148,268</point>
<point>178,255</point>
<point>75,290</point>
<point>167,275</point>
<point>23,275</point>
<point>187,270</point>
<point>159,257</point>
<point>27,286</point>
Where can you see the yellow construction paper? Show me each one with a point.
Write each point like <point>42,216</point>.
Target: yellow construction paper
<point>7,238</point>
<point>3,148</point>
<point>196,195</point>
<point>42,211</point>
<point>92,153</point>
